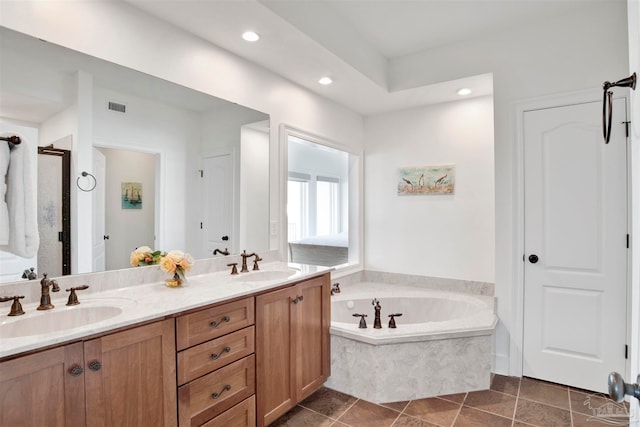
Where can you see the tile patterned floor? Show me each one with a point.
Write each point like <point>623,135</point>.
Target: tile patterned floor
<point>511,402</point>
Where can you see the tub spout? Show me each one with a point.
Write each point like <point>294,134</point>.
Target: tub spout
<point>377,323</point>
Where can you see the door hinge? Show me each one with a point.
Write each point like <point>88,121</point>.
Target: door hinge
<point>626,351</point>
<point>200,226</point>
<point>201,173</point>
<point>627,241</point>
<point>626,127</point>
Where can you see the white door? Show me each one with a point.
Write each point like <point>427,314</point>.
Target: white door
<point>218,203</point>
<point>576,227</point>
<point>98,200</point>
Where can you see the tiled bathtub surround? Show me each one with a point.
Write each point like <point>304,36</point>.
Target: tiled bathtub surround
<point>429,353</point>
<point>436,283</point>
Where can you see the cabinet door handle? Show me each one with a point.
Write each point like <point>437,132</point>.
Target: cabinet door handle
<point>215,356</point>
<point>297,299</point>
<point>224,319</point>
<point>216,395</point>
<point>76,370</point>
<point>95,365</point>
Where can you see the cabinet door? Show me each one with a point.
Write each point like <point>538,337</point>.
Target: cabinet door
<point>311,334</point>
<point>39,390</point>
<point>131,377</point>
<point>275,355</point>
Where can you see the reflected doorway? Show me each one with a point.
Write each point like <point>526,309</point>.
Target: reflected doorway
<point>129,186</point>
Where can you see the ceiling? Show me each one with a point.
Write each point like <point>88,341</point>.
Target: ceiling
<point>354,41</point>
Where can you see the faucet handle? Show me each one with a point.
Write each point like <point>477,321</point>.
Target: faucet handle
<point>16,307</point>
<point>73,298</point>
<point>335,288</point>
<point>392,321</point>
<point>255,262</point>
<point>363,323</point>
<point>234,267</point>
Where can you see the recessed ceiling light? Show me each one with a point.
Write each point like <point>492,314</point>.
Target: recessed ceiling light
<point>251,36</point>
<point>464,91</point>
<point>325,80</point>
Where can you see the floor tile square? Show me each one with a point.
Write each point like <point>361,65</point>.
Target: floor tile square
<point>302,417</point>
<point>504,384</point>
<point>542,415</point>
<point>544,392</point>
<point>329,402</point>
<point>469,417</point>
<point>407,421</point>
<point>396,406</point>
<point>492,401</point>
<point>435,410</point>
<point>367,414</point>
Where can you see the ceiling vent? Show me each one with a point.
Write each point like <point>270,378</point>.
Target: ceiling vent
<point>115,106</point>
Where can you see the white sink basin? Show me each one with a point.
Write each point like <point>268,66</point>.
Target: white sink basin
<point>61,318</point>
<point>266,275</point>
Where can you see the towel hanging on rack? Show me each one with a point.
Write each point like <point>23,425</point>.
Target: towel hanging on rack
<point>21,203</point>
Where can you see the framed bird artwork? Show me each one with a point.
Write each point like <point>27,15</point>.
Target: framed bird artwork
<point>427,180</point>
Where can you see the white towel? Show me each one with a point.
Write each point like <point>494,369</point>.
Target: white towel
<point>21,200</point>
<point>4,209</point>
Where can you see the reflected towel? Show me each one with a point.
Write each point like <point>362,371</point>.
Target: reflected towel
<point>22,202</point>
<point>4,209</point>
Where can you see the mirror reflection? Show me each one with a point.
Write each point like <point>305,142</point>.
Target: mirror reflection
<point>173,168</point>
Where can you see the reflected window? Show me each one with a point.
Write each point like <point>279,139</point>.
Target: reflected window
<point>317,203</point>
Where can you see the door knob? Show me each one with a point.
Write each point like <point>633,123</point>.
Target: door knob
<point>533,259</point>
<point>225,238</point>
<point>618,388</point>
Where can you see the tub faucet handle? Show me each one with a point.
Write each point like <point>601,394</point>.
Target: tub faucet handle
<point>392,321</point>
<point>363,323</point>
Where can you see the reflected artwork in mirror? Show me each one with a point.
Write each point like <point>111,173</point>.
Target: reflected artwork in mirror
<point>202,162</point>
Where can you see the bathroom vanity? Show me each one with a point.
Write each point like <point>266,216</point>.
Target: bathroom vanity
<point>234,359</point>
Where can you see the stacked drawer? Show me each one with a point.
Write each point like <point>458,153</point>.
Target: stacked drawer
<point>216,366</point>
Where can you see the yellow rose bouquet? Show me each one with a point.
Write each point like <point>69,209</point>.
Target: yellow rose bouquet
<point>176,263</point>
<point>144,255</point>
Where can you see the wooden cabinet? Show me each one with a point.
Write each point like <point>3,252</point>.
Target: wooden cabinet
<point>130,377</point>
<point>216,366</point>
<point>292,345</point>
<point>122,379</point>
<point>39,390</point>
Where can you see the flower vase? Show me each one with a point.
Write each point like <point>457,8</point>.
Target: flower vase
<point>173,282</point>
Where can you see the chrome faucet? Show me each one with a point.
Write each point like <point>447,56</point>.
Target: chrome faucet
<point>45,298</point>
<point>335,288</point>
<point>377,324</point>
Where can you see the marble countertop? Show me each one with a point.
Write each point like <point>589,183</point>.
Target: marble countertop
<point>129,305</point>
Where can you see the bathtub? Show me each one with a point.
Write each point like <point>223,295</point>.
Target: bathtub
<point>442,343</point>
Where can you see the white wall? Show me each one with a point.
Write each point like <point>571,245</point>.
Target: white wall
<point>254,188</point>
<point>448,236</point>
<point>157,128</point>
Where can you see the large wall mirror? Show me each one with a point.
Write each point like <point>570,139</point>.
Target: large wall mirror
<point>167,167</point>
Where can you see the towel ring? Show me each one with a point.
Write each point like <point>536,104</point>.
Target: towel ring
<point>91,185</point>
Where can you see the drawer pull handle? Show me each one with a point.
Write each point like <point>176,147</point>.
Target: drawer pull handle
<point>215,356</point>
<point>76,370</point>
<point>95,365</point>
<point>225,388</point>
<point>224,319</point>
